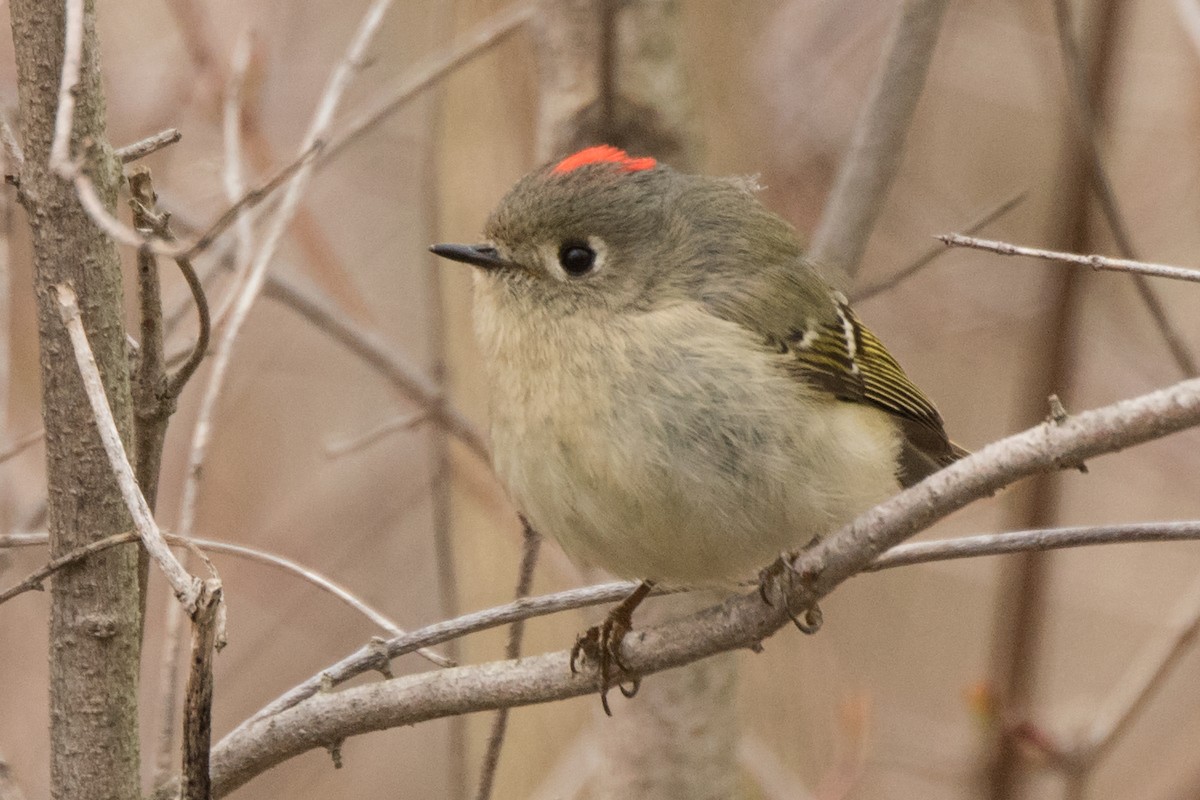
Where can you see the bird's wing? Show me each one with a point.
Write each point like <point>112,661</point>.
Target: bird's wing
<point>840,355</point>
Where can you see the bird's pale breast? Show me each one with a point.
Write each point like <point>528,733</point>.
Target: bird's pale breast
<point>670,444</point>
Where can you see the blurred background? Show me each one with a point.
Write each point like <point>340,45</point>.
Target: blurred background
<point>936,681</point>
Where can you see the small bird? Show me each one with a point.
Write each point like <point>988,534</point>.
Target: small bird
<point>677,396</point>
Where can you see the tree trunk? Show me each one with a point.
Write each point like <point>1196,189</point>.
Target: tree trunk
<point>94,605</point>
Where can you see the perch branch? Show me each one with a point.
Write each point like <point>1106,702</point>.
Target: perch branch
<point>740,622</point>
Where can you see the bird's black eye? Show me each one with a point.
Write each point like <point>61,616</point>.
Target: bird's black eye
<point>576,259</point>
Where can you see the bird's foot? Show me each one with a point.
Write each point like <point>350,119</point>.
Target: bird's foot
<point>781,578</point>
<point>601,644</point>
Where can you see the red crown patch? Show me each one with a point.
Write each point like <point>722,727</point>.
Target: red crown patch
<point>603,154</point>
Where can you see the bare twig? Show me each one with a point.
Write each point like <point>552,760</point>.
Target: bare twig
<point>21,445</point>
<point>187,369</point>
<point>931,255</point>
<point>367,658</point>
<point>1081,94</point>
<point>997,544</point>
<point>151,144</point>
<point>290,171</point>
<point>252,554</point>
<point>169,678</point>
<point>1094,261</point>
<point>197,720</point>
<point>152,407</point>
<point>321,582</point>
<point>904,555</point>
<point>531,543</point>
<point>148,218</point>
<point>868,169</point>
<point>24,540</point>
<point>35,580</point>
<point>64,117</point>
<point>186,587</point>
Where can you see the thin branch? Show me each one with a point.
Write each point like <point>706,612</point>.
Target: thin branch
<point>148,218</point>
<point>531,544</point>
<point>197,724</point>
<point>169,678</point>
<point>1081,94</point>
<point>187,369</point>
<point>117,230</point>
<point>186,587</point>
<point>1094,261</point>
<point>127,235</point>
<point>24,540</point>
<point>931,255</point>
<point>475,42</point>
<point>21,445</point>
<point>253,197</point>
<point>35,579</point>
<point>866,174</point>
<point>998,544</point>
<point>151,144</point>
<point>740,622</point>
<point>321,582</point>
<point>152,408</point>
<point>367,658</point>
<point>252,554</point>
<point>64,116</point>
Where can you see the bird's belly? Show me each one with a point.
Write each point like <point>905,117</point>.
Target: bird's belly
<point>700,469</point>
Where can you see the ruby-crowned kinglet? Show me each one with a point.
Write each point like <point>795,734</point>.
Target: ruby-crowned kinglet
<point>676,394</point>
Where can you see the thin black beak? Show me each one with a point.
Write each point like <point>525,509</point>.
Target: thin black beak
<point>478,255</point>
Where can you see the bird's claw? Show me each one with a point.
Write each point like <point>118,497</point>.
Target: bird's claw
<point>601,644</point>
<point>781,577</point>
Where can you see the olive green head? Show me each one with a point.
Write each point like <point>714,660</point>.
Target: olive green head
<point>601,228</point>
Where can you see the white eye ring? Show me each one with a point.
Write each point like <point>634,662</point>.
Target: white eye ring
<point>575,259</point>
